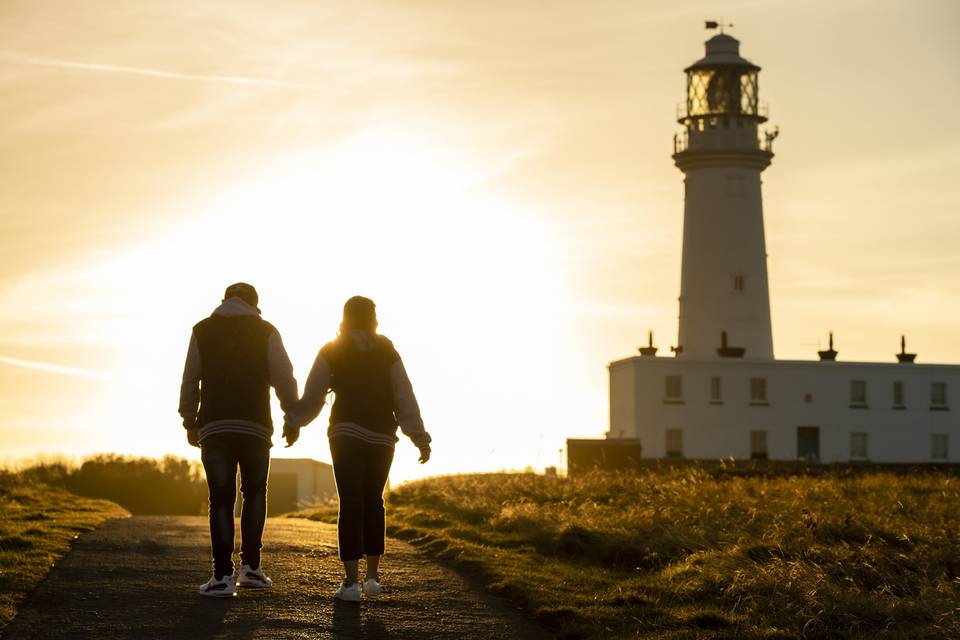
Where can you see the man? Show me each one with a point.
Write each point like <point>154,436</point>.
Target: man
<point>234,358</point>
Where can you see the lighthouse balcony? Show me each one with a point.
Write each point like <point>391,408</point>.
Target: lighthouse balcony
<point>717,137</point>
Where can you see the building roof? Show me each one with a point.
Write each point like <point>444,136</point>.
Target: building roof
<point>819,365</point>
<point>283,462</point>
<point>722,50</point>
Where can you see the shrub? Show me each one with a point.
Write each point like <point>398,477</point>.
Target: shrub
<point>143,486</point>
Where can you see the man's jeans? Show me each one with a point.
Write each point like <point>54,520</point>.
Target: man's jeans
<point>222,454</point>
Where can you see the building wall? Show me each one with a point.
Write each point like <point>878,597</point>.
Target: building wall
<point>798,394</point>
<point>622,402</point>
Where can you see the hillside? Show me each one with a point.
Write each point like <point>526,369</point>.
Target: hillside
<point>686,553</point>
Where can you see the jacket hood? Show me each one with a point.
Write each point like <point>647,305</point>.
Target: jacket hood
<point>363,340</point>
<point>232,307</point>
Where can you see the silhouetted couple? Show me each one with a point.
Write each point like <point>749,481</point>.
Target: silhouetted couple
<point>234,358</point>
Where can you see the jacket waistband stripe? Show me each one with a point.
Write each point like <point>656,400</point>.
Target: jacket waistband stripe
<point>230,427</point>
<point>361,433</point>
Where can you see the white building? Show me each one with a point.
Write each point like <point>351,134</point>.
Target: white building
<point>723,394</point>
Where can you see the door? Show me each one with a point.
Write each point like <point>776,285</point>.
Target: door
<point>808,444</point>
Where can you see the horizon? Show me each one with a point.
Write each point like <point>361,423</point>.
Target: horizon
<point>506,179</point>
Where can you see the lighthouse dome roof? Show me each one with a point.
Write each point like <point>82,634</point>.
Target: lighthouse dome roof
<point>723,50</point>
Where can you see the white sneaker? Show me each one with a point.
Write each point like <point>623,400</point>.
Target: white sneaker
<point>254,578</point>
<point>225,587</point>
<point>349,593</point>
<point>371,586</point>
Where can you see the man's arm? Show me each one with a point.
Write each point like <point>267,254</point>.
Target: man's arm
<point>190,388</point>
<point>281,374</point>
<point>408,410</point>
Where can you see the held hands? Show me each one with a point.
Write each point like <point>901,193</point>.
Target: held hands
<point>193,437</point>
<point>291,434</point>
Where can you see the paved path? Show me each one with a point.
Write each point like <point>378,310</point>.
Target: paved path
<point>137,578</point>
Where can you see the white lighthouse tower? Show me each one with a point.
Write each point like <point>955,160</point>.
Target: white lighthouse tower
<point>723,289</point>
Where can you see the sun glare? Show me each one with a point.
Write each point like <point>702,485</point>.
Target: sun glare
<point>466,281</point>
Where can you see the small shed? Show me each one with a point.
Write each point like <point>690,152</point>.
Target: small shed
<point>589,454</point>
<point>296,483</point>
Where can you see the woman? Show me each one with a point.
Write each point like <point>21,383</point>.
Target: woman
<point>372,397</point>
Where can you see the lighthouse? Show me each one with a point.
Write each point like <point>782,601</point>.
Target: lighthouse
<point>723,394</point>
<point>724,294</point>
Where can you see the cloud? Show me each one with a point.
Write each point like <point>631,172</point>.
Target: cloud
<point>53,368</point>
<point>19,57</point>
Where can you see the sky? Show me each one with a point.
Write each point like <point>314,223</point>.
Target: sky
<point>496,176</point>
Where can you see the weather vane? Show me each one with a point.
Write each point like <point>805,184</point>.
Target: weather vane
<point>714,24</point>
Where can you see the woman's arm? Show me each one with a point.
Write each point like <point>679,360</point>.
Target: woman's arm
<point>314,392</point>
<point>408,411</point>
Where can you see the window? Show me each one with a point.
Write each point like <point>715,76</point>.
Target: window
<point>728,91</point>
<point>858,393</point>
<point>858,446</point>
<point>674,443</point>
<point>758,391</point>
<point>898,394</point>
<point>939,446</point>
<point>716,395</point>
<point>758,445</point>
<point>938,394</point>
<point>739,283</point>
<point>674,389</point>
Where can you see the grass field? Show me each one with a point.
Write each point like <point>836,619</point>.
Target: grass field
<point>37,524</point>
<point>687,553</point>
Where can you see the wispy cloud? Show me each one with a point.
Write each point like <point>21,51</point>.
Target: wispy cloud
<point>52,368</point>
<point>18,57</point>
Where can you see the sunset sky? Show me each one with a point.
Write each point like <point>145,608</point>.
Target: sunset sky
<point>495,175</point>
